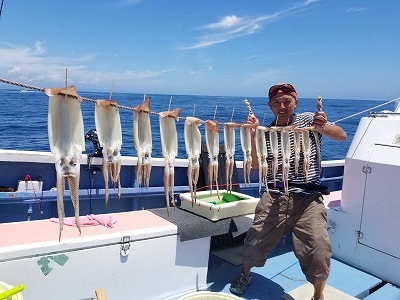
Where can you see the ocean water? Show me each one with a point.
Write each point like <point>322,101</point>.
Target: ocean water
<point>23,118</point>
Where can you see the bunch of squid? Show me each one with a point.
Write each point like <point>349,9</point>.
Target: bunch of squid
<point>302,143</point>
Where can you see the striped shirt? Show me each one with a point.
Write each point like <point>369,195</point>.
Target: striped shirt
<point>301,120</point>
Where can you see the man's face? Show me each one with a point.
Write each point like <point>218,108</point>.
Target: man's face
<point>283,107</point>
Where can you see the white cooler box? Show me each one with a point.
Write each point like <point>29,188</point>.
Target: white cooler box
<point>140,258</point>
<point>205,205</point>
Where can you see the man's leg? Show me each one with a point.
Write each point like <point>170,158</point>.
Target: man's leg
<point>319,290</point>
<point>246,268</point>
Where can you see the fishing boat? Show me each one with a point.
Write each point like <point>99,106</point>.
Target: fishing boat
<point>137,251</point>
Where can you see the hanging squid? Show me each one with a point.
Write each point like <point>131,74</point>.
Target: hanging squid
<point>318,149</point>
<point>273,138</point>
<point>245,139</point>
<point>285,151</point>
<point>297,149</point>
<point>317,141</point>
<point>229,144</point>
<point>262,154</point>
<point>212,143</point>
<point>143,141</point>
<point>108,127</point>
<point>193,150</point>
<point>306,147</point>
<point>67,141</point>
<point>169,145</point>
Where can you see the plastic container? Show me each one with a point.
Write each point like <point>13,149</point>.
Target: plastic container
<point>205,205</point>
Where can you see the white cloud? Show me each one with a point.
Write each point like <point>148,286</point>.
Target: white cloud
<point>232,27</point>
<point>226,22</point>
<point>356,9</point>
<point>228,28</point>
<point>31,66</point>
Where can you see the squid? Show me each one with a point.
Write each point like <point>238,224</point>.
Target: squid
<point>306,147</point>
<point>285,151</point>
<point>318,146</point>
<point>67,141</point>
<point>229,144</point>
<point>143,142</point>
<point>108,127</point>
<point>245,139</point>
<point>193,150</point>
<point>297,150</point>
<point>317,141</point>
<point>212,143</point>
<point>169,145</point>
<point>262,154</point>
<point>273,138</point>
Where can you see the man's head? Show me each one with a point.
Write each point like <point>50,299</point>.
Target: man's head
<point>283,101</point>
<point>282,89</point>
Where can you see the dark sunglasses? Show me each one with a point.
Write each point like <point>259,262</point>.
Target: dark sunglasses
<point>286,88</point>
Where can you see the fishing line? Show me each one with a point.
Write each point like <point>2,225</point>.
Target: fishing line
<point>356,114</point>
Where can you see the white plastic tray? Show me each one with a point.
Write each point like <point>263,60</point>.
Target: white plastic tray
<point>205,208</point>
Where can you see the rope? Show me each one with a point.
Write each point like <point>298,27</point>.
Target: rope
<point>356,114</point>
<point>179,118</point>
<point>31,87</point>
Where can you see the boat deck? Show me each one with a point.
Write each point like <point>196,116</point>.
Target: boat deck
<point>282,274</point>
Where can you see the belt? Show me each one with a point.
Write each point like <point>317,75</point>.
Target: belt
<point>309,187</point>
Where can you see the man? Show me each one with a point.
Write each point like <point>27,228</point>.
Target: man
<point>300,211</point>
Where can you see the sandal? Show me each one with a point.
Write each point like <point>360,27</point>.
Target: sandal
<point>239,285</point>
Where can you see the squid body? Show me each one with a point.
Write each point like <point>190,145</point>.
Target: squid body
<point>67,141</point>
<point>245,139</point>
<point>193,150</point>
<point>143,141</point>
<point>229,144</point>
<point>108,127</point>
<point>262,154</point>
<point>286,152</point>
<point>297,150</point>
<point>169,145</point>
<point>306,147</point>
<point>273,138</point>
<point>212,143</point>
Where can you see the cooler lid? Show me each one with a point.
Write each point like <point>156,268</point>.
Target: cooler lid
<point>33,238</point>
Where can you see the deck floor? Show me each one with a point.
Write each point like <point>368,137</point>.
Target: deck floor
<point>282,274</point>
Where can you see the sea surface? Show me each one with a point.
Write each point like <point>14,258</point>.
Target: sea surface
<point>23,117</point>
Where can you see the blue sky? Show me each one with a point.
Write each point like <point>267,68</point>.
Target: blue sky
<point>340,48</point>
